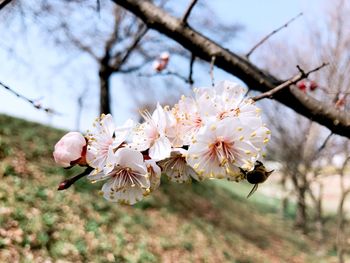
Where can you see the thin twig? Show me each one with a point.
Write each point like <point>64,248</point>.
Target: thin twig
<point>70,181</point>
<point>190,79</point>
<point>98,7</point>
<point>33,102</point>
<point>188,11</point>
<point>165,73</point>
<point>271,34</point>
<point>212,70</point>
<point>4,3</point>
<point>294,80</point>
<point>323,144</point>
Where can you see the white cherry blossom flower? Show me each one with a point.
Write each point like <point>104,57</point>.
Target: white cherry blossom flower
<point>219,149</point>
<point>127,177</point>
<point>176,168</point>
<point>151,135</point>
<point>105,136</point>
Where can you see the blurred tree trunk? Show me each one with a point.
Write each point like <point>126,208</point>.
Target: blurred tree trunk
<point>105,75</point>
<point>300,185</point>
<point>319,214</point>
<point>284,198</point>
<point>300,219</point>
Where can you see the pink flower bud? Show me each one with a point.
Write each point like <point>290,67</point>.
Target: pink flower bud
<point>165,56</point>
<point>159,65</point>
<point>302,86</point>
<point>340,102</point>
<point>70,150</point>
<point>313,85</point>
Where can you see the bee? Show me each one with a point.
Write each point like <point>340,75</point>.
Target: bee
<point>257,176</point>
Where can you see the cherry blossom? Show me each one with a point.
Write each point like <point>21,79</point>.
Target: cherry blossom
<point>151,134</point>
<point>127,177</point>
<point>220,149</point>
<point>176,168</point>
<point>104,136</point>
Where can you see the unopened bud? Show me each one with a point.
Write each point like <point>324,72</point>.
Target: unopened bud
<point>313,85</point>
<point>165,56</point>
<point>301,86</point>
<point>70,150</point>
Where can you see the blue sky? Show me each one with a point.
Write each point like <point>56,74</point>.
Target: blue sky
<point>30,72</point>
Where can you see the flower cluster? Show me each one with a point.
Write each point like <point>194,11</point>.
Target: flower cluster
<point>216,133</point>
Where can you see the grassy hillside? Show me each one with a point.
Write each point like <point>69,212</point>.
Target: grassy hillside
<point>206,222</point>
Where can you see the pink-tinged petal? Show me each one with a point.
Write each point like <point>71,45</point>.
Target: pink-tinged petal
<point>159,118</point>
<point>260,137</point>
<point>69,148</point>
<point>96,176</point>
<point>128,195</point>
<point>176,168</point>
<point>107,124</point>
<point>160,149</point>
<point>110,161</point>
<point>121,133</point>
<point>154,172</point>
<point>126,157</point>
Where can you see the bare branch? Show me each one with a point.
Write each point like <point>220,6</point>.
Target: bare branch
<point>165,73</point>
<point>120,61</point>
<point>32,102</point>
<point>132,69</point>
<point>190,79</point>
<point>204,48</point>
<point>271,34</point>
<point>188,11</point>
<point>323,144</point>
<point>80,45</point>
<point>4,3</point>
<point>288,83</point>
<point>98,6</point>
<point>212,70</point>
<point>70,181</point>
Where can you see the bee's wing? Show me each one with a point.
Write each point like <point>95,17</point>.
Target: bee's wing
<point>253,190</point>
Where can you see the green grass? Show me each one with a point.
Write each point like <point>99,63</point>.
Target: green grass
<point>210,221</point>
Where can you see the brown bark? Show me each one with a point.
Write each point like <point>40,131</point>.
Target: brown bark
<point>4,3</point>
<point>105,75</point>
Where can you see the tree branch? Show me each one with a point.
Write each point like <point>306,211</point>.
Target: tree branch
<point>121,60</point>
<point>288,83</point>
<point>190,73</point>
<point>4,3</point>
<point>79,44</point>
<point>204,48</point>
<point>165,73</point>
<point>188,11</point>
<point>32,102</point>
<point>262,41</point>
<point>70,181</point>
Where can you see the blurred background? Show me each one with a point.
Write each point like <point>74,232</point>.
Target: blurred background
<point>79,58</point>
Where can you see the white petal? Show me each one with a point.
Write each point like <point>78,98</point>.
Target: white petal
<point>130,158</point>
<point>160,149</point>
<point>129,195</point>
